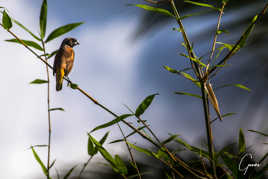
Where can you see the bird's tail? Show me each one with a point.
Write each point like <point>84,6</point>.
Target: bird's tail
<point>59,79</point>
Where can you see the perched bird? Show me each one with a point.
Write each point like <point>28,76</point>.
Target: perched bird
<point>64,60</point>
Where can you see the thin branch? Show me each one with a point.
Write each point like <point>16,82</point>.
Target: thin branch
<point>49,119</point>
<point>216,34</point>
<point>84,166</point>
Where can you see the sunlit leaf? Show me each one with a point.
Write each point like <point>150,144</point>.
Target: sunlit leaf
<point>154,9</point>
<point>194,59</point>
<point>144,105</point>
<point>28,43</point>
<point>120,165</point>
<point>188,94</point>
<point>62,30</point>
<point>140,149</point>
<point>43,19</point>
<point>235,85</point>
<point>37,158</point>
<point>38,81</point>
<point>202,4</point>
<point>118,119</point>
<point>241,142</point>
<point>6,21</point>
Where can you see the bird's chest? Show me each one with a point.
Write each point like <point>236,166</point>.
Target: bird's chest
<point>68,52</point>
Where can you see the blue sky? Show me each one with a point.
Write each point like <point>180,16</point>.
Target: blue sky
<point>110,66</point>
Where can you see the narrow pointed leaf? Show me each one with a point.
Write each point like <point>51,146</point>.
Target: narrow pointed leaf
<point>28,43</point>
<point>224,115</point>
<point>120,165</point>
<point>236,85</point>
<point>202,4</point>
<point>43,19</point>
<point>241,142</point>
<point>132,133</point>
<point>69,173</point>
<point>171,138</point>
<point>6,21</point>
<point>56,109</point>
<point>144,105</point>
<point>51,165</point>
<point>62,30</point>
<point>38,81</point>
<point>188,94</point>
<point>140,149</point>
<point>258,132</point>
<point>118,119</point>
<point>103,139</point>
<point>154,9</point>
<point>91,149</point>
<point>37,158</point>
<point>248,31</point>
<point>194,59</point>
<point>26,29</point>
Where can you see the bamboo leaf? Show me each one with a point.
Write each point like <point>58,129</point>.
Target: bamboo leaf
<point>6,21</point>
<point>118,119</point>
<point>69,173</point>
<point>154,9</point>
<point>103,139</point>
<point>144,105</point>
<point>74,86</point>
<point>38,81</point>
<point>28,43</point>
<point>62,30</point>
<point>140,149</point>
<point>188,94</point>
<point>56,109</point>
<point>202,4</point>
<point>26,29</point>
<point>51,165</point>
<point>120,165</point>
<point>194,60</point>
<point>171,138</point>
<point>37,158</point>
<point>235,85</point>
<point>258,132</point>
<point>91,149</point>
<point>241,142</point>
<point>43,19</point>
<point>52,54</point>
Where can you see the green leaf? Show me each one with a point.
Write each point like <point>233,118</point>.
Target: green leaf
<point>37,158</point>
<point>73,85</point>
<point>132,133</point>
<point>189,77</point>
<point>194,59</point>
<point>258,132</point>
<point>144,105</point>
<point>171,138</point>
<point>108,157</point>
<point>38,81</point>
<point>247,32</point>
<point>202,4</point>
<point>52,164</point>
<point>56,109</point>
<point>62,30</point>
<point>224,115</point>
<point>154,9</point>
<point>220,31</point>
<point>69,173</point>
<point>118,119</point>
<point>43,19</point>
<point>28,43</point>
<point>236,85</point>
<point>194,149</point>
<point>241,142</point>
<point>188,94</point>
<point>103,139</point>
<point>224,149</point>
<point>230,162</point>
<point>171,70</point>
<point>52,54</point>
<point>120,165</point>
<point>26,29</point>
<point>140,149</point>
<point>91,149</point>
<point>6,21</point>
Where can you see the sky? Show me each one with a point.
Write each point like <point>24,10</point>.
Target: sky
<point>110,66</point>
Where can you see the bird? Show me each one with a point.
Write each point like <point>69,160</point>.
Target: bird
<point>64,60</point>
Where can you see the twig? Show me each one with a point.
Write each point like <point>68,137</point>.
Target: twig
<point>85,165</point>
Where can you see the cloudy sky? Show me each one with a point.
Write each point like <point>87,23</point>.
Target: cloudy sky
<point>109,65</point>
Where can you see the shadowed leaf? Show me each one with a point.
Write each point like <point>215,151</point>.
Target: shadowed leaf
<point>120,165</point>
<point>140,149</point>
<point>74,86</point>
<point>235,85</point>
<point>62,30</point>
<point>241,142</point>
<point>258,132</point>
<point>144,105</point>
<point>171,138</point>
<point>69,173</point>
<point>118,119</point>
<point>56,109</point>
<point>202,4</point>
<point>28,43</point>
<point>91,150</point>
<point>6,21</point>
<point>188,94</point>
<point>103,139</point>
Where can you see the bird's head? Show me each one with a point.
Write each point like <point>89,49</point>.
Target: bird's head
<point>70,42</point>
